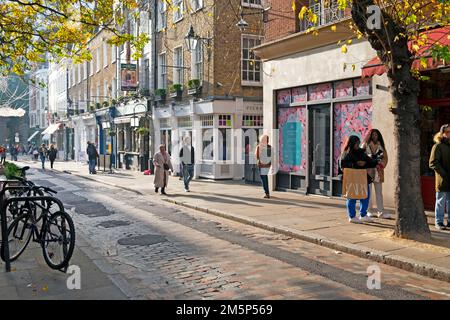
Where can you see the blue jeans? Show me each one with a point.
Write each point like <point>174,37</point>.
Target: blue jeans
<point>364,204</point>
<point>265,183</point>
<point>92,164</point>
<point>43,162</point>
<point>188,174</point>
<point>442,198</point>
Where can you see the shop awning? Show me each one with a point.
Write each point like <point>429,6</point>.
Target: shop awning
<point>32,136</point>
<point>376,67</point>
<point>10,112</point>
<point>51,129</point>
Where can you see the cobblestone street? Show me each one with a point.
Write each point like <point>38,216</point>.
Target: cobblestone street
<point>154,250</point>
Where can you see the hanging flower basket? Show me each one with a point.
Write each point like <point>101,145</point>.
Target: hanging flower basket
<point>142,130</point>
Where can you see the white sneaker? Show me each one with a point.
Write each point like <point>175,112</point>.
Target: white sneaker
<point>384,215</point>
<point>365,219</point>
<point>186,190</point>
<point>370,214</point>
<point>353,220</point>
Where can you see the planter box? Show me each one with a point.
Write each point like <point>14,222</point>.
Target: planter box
<point>194,91</point>
<point>176,95</point>
<point>160,98</point>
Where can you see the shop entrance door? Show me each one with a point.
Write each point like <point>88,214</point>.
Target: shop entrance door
<point>319,150</point>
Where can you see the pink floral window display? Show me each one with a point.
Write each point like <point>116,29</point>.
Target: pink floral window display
<point>284,97</point>
<point>299,95</point>
<point>343,89</point>
<point>322,91</point>
<point>362,87</point>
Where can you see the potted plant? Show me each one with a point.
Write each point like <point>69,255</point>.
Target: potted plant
<point>91,108</point>
<point>142,130</point>
<point>105,104</point>
<point>194,87</point>
<point>176,91</point>
<point>111,132</point>
<point>113,102</point>
<point>98,105</point>
<point>122,99</point>
<point>144,92</point>
<point>160,94</point>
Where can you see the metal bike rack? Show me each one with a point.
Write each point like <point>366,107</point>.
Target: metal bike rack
<point>4,206</point>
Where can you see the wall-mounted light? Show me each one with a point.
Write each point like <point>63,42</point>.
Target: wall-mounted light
<point>191,39</point>
<point>242,24</point>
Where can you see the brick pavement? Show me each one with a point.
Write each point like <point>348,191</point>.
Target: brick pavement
<point>319,219</point>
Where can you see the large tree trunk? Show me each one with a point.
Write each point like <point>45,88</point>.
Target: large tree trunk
<point>411,221</point>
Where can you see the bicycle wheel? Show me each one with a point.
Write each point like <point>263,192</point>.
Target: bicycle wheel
<point>19,235</point>
<point>58,240</point>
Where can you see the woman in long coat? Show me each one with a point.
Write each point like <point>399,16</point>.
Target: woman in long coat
<point>162,166</point>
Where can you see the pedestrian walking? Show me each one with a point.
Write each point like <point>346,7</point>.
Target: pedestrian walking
<point>440,163</point>
<point>355,157</point>
<point>2,154</point>
<point>13,152</point>
<point>162,166</point>
<point>52,152</point>
<point>35,153</point>
<point>187,159</point>
<point>43,154</point>
<point>263,154</point>
<point>375,148</point>
<point>92,156</point>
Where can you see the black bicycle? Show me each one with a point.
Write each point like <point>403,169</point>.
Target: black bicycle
<point>54,231</point>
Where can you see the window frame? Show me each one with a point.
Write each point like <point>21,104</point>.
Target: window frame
<point>180,4</point>
<point>161,16</point>
<point>250,82</point>
<point>197,65</point>
<point>162,71</point>
<point>98,64</point>
<point>200,7</point>
<point>176,67</point>
<point>246,4</point>
<point>105,55</point>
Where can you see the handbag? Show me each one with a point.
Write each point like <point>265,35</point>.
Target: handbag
<point>166,166</point>
<point>354,184</point>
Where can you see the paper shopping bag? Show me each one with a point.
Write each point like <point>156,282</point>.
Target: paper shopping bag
<point>354,184</point>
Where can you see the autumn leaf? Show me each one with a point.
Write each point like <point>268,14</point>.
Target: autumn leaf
<point>333,28</point>
<point>294,7</point>
<point>302,12</point>
<point>344,49</point>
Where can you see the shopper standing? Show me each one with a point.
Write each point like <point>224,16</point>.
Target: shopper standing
<point>162,166</point>
<point>263,155</point>
<point>375,148</point>
<point>355,157</point>
<point>92,153</point>
<point>440,163</point>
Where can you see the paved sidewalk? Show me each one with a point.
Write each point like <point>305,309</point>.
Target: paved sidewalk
<point>316,219</point>
<point>31,279</point>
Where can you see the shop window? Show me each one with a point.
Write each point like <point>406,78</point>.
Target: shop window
<point>292,139</point>
<point>363,87</point>
<point>224,120</point>
<point>166,139</point>
<point>207,144</point>
<point>350,118</point>
<point>185,122</point>
<point>207,121</point>
<point>343,89</point>
<point>225,144</point>
<point>319,92</point>
<point>299,95</point>
<point>252,121</point>
<point>284,98</point>
<point>164,123</point>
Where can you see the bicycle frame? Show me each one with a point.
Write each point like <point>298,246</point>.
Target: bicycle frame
<point>4,227</point>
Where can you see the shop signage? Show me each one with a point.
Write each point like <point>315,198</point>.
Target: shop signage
<point>128,77</point>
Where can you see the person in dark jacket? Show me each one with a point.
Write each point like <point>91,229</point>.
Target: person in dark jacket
<point>52,152</point>
<point>187,157</point>
<point>440,163</point>
<point>42,155</point>
<point>92,156</point>
<point>355,157</point>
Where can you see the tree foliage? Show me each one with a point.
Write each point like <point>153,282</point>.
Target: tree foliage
<point>62,28</point>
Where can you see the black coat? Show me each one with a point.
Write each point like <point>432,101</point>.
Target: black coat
<point>349,160</point>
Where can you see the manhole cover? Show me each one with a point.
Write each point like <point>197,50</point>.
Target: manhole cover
<point>113,223</point>
<point>143,240</point>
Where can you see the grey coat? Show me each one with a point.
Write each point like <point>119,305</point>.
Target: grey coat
<point>161,175</point>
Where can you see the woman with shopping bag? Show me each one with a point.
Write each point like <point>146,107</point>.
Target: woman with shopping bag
<point>354,163</point>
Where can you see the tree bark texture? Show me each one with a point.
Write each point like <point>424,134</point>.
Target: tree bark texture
<point>411,221</point>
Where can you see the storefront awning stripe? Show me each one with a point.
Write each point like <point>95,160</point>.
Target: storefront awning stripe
<point>32,136</point>
<point>51,129</point>
<point>376,67</point>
